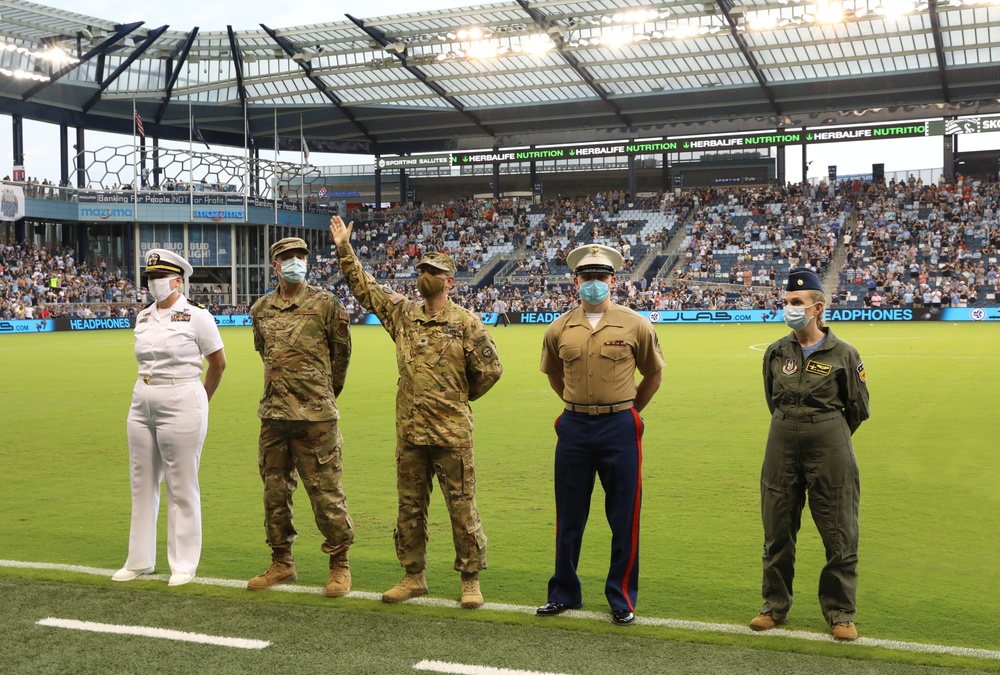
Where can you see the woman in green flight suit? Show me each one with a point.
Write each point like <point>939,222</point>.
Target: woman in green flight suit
<point>818,397</point>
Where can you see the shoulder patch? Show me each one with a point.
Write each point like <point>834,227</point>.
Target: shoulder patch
<point>396,298</point>
<point>861,372</point>
<point>791,366</point>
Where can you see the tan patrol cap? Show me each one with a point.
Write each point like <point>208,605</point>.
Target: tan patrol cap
<point>288,244</point>
<point>438,261</point>
<point>162,260</point>
<point>594,258</point>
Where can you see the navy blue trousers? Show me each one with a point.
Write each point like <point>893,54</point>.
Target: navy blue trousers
<point>609,446</point>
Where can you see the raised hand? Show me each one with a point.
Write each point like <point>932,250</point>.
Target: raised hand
<point>341,233</point>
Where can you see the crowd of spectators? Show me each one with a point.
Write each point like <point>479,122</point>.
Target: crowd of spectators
<point>40,283</point>
<point>752,236</point>
<point>906,245</point>
<point>921,245</point>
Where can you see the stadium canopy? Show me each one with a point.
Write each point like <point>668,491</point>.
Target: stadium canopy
<point>509,74</point>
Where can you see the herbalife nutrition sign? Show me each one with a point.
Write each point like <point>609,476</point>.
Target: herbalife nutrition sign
<point>674,146</point>
<point>677,146</point>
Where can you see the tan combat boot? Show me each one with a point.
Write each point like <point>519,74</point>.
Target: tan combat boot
<point>339,583</point>
<point>845,631</point>
<point>763,622</point>
<point>472,597</point>
<point>412,585</point>
<point>281,571</point>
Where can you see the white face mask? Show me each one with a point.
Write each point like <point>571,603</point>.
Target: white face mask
<point>160,288</point>
<point>293,270</point>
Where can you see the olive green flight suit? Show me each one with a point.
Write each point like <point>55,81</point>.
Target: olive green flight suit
<point>816,405</point>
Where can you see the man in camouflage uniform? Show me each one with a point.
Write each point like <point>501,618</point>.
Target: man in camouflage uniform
<point>445,358</point>
<point>302,334</point>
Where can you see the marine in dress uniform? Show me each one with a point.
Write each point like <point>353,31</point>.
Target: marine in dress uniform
<point>817,393</point>
<point>590,355</point>
<point>446,358</point>
<point>302,333</point>
<point>168,419</point>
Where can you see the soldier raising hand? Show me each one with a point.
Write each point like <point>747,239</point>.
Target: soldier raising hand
<point>446,359</point>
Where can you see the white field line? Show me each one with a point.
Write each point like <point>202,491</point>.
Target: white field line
<point>148,631</point>
<point>679,624</point>
<point>464,669</point>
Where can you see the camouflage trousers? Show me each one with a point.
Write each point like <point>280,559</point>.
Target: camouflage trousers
<point>416,466</point>
<point>311,451</point>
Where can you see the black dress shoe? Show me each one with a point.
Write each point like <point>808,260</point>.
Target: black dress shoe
<point>553,608</point>
<point>622,617</point>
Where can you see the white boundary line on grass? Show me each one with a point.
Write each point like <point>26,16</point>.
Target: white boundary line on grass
<point>464,669</point>
<point>680,624</point>
<point>148,631</point>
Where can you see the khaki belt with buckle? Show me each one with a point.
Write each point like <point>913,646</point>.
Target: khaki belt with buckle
<point>599,409</point>
<point>157,381</point>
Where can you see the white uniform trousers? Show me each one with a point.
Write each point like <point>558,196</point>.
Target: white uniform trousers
<point>166,430</point>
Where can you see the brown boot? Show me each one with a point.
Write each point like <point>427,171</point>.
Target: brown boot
<point>763,622</point>
<point>845,631</point>
<point>339,583</point>
<point>472,597</point>
<point>412,585</point>
<point>281,571</point>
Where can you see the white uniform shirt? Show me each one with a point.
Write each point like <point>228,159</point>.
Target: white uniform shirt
<point>173,342</point>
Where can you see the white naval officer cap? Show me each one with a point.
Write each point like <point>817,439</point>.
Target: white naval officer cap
<point>594,258</point>
<point>162,260</point>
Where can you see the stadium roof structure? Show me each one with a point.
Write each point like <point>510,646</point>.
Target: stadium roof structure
<point>510,74</point>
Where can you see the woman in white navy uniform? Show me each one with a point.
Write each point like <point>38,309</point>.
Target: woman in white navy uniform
<point>168,419</point>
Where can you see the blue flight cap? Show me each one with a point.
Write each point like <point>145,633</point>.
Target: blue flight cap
<point>802,279</point>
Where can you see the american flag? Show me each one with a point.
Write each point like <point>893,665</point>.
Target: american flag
<point>138,124</point>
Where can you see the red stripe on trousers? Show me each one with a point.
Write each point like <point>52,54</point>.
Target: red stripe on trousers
<point>555,427</point>
<point>635,511</point>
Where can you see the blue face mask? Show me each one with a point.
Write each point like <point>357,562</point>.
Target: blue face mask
<point>795,317</point>
<point>594,291</point>
<point>293,270</point>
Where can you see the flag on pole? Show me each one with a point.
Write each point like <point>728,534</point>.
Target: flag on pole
<point>138,124</point>
<point>305,146</point>
<point>197,133</point>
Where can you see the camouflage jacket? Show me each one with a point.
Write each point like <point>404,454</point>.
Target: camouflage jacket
<point>445,360</point>
<point>305,343</point>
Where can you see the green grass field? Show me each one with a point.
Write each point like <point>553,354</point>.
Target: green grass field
<point>930,509</point>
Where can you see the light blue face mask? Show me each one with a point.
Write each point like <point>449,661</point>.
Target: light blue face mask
<point>293,270</point>
<point>795,317</point>
<point>594,291</point>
